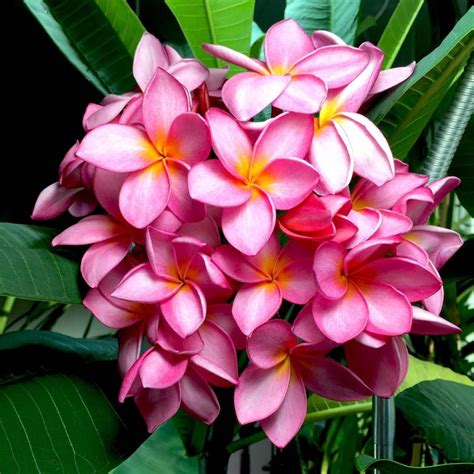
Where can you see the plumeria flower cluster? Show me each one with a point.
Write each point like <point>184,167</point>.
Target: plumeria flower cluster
<point>216,233</point>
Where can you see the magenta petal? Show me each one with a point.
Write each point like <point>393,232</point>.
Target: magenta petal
<point>198,398</point>
<point>288,181</point>
<point>256,303</point>
<point>239,223</point>
<point>248,93</point>
<point>269,344</point>
<point>218,356</point>
<point>305,94</point>
<point>158,406</point>
<point>117,147</point>
<point>53,201</point>
<point>329,378</point>
<point>103,257</point>
<point>282,426</point>
<point>131,382</point>
<point>144,195</point>
<point>130,344</point>
<point>328,267</point>
<point>143,285</point>
<point>342,319</point>
<point>425,322</point>
<point>387,368</point>
<point>367,221</point>
<point>305,328</point>
<point>160,369</point>
<point>185,310</point>
<point>296,281</point>
<point>232,263</point>
<point>221,314</point>
<point>257,385</point>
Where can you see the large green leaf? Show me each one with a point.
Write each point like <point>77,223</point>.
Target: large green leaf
<point>385,466</point>
<point>59,414</point>
<point>215,21</point>
<point>397,29</point>
<point>162,452</point>
<point>29,269</point>
<point>338,16</point>
<point>404,113</point>
<point>444,411</point>
<point>98,36</point>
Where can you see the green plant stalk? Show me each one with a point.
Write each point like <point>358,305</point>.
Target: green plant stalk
<point>6,310</point>
<point>310,418</point>
<point>383,428</point>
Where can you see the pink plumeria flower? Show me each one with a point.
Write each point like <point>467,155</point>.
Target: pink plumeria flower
<point>73,191</point>
<point>279,374</point>
<point>345,141</point>
<point>157,158</point>
<point>364,290</point>
<point>251,182</point>
<point>294,77</point>
<point>178,276</point>
<point>269,277</point>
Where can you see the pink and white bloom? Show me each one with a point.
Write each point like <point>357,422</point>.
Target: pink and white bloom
<point>156,159</point>
<point>251,182</point>
<point>280,372</point>
<point>294,76</point>
<point>270,276</point>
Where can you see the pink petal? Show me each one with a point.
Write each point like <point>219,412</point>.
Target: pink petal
<point>331,155</point>
<point>84,204</point>
<point>107,185</point>
<point>149,55</point>
<point>158,406</point>
<point>373,158</point>
<point>166,338</point>
<point>130,344</point>
<point>407,276</point>
<point>143,285</point>
<point>188,139</point>
<point>392,223</point>
<point>221,314</point>
<point>269,344</point>
<point>296,282</point>
<point>53,201</point>
<point>117,147</point>
<point>282,426</point>
<point>343,319</point>
<point>89,230</point>
<point>256,303</point>
<point>180,202</point>
<point>367,221</point>
<point>131,384</point>
<point>325,38</point>
<point>287,181</point>
<point>161,369</point>
<point>205,230</point>
<point>387,368</point>
<point>391,78</point>
<point>287,136</point>
<point>425,322</point>
<point>305,94</point>
<point>161,255</point>
<point>237,266</point>
<point>165,98</point>
<point>329,378</point>
<point>209,182</point>
<point>234,57</point>
<point>328,267</point>
<point>442,187</point>
<point>144,195</point>
<point>248,93</point>
<point>285,43</point>
<point>370,250</point>
<point>336,65</point>
<point>239,223</point>
<point>108,112</point>
<point>229,142</point>
<point>198,398</point>
<point>189,72</point>
<point>103,257</point>
<point>185,310</point>
<point>390,313</point>
<point>256,385</point>
<point>218,356</point>
<point>372,340</point>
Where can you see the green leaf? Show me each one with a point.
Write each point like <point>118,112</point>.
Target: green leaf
<point>463,167</point>
<point>397,29</point>
<point>444,411</point>
<point>320,408</point>
<point>60,414</point>
<point>338,16</point>
<point>94,349</point>
<point>162,453</point>
<point>29,269</point>
<point>215,21</point>
<point>404,113</point>
<point>193,432</point>
<point>386,466</point>
<point>98,36</point>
